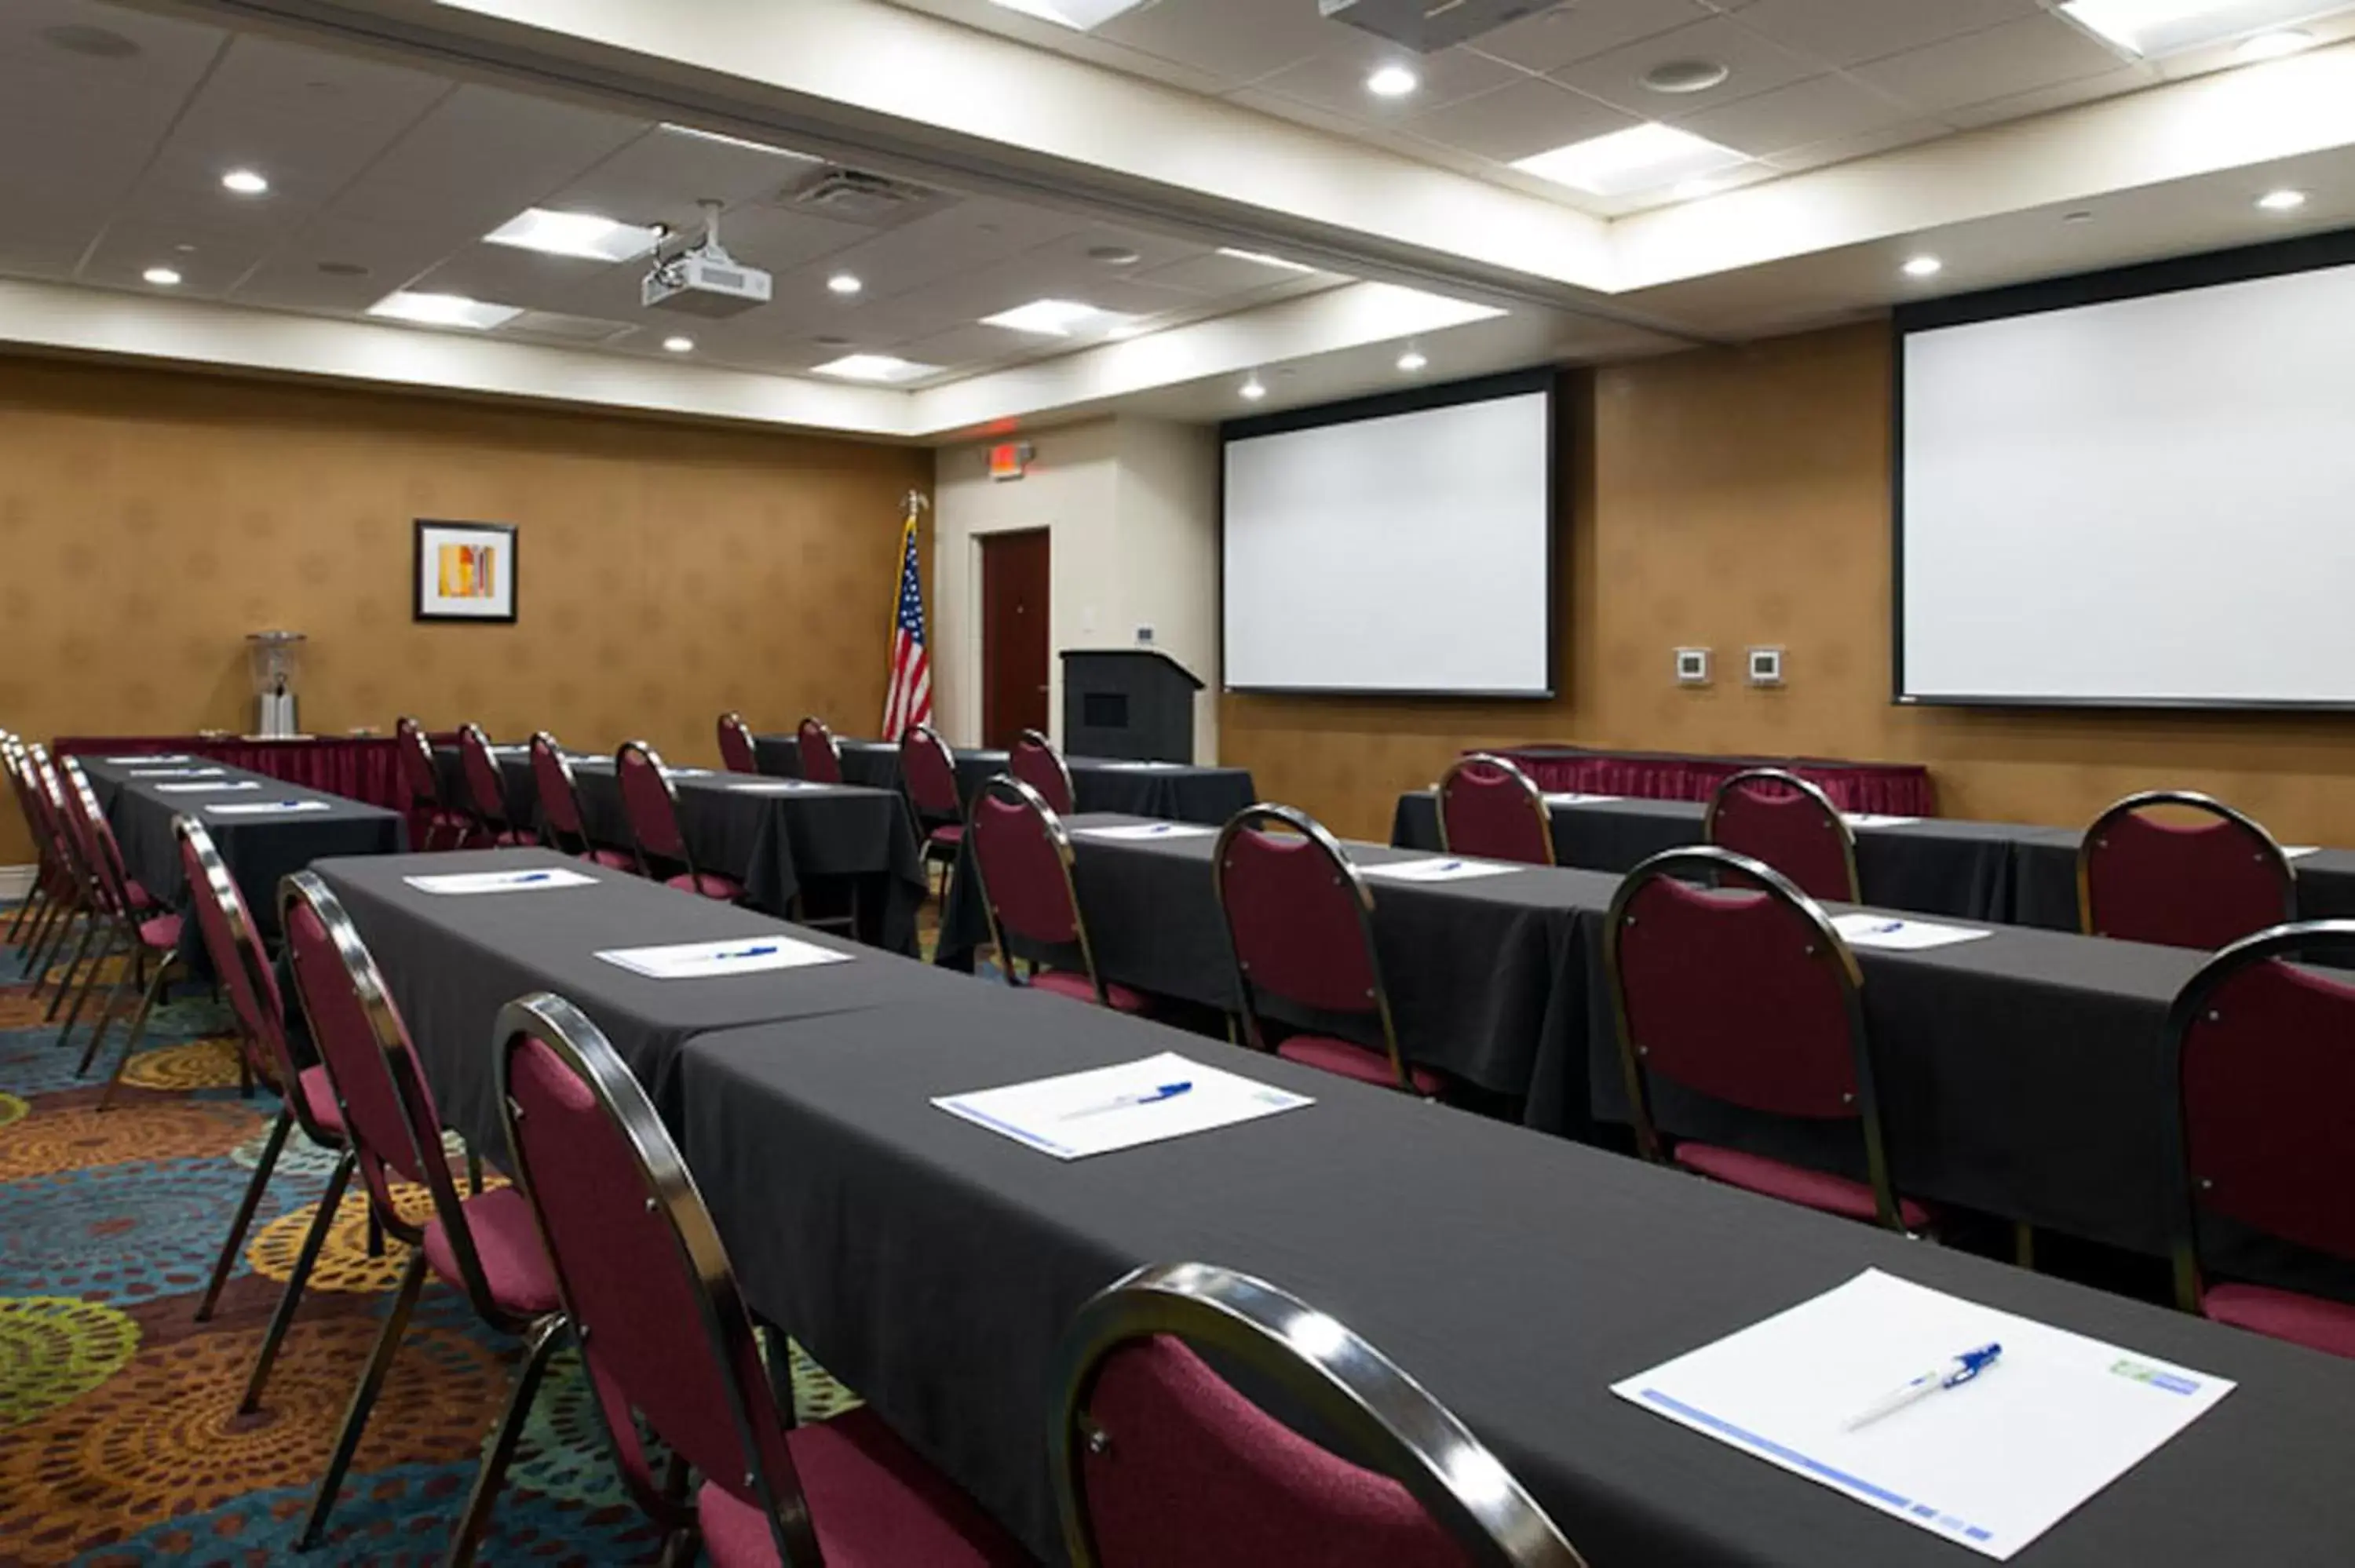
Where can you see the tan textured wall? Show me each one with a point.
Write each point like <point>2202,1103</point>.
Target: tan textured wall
<point>148,520</point>
<point>1741,496</point>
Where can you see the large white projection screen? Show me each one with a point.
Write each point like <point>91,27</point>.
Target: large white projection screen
<point>2149,501</point>
<point>1410,553</point>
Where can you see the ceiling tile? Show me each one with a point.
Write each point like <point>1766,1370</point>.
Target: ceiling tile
<point>1569,34</point>
<point>1839,150</point>
<point>1336,81</point>
<point>970,345</point>
<point>1755,66</point>
<point>1213,274</point>
<point>130,246</point>
<point>1234,41</point>
<point>1848,32</point>
<point>1528,117</point>
<point>2059,95</point>
<point>441,169</point>
<point>2017,57</point>
<point>658,178</point>
<point>1820,110</point>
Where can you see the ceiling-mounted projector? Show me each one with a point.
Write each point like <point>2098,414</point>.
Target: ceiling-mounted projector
<point>703,279</point>
<point>1427,27</point>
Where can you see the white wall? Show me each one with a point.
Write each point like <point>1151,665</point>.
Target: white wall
<point>1131,505</point>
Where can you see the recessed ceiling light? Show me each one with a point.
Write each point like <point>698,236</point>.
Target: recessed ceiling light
<point>2282,200</point>
<point>679,344</point>
<point>2273,45</point>
<point>1392,81</point>
<point>843,283</point>
<point>1115,255</point>
<point>726,141</point>
<point>244,182</point>
<point>1050,318</point>
<point>1079,15</point>
<point>80,38</point>
<point>1685,76</point>
<point>1412,361</point>
<point>1640,158</point>
<point>2155,27</point>
<point>162,277</point>
<point>1264,259</point>
<point>443,310</point>
<point>1252,391</point>
<point>873,367</point>
<point>581,234</point>
<point>1924,267</point>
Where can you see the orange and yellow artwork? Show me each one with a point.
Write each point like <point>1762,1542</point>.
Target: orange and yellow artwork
<point>469,571</point>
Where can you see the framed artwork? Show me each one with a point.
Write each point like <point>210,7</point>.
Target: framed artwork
<point>465,571</point>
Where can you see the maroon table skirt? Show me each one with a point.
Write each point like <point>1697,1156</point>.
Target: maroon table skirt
<point>1896,790</point>
<point>359,768</point>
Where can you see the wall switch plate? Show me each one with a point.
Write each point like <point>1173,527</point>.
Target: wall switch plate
<point>1692,666</point>
<point>1766,666</point>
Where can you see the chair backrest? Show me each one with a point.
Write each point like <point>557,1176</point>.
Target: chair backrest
<point>1779,818</point>
<point>651,801</point>
<point>640,1269</point>
<point>418,777</point>
<point>486,783</point>
<point>1023,855</point>
<point>559,802</point>
<point>821,758</point>
<point>929,769</point>
<point>101,854</point>
<point>1035,762</point>
<point>736,753</point>
<point>242,965</point>
<point>46,806</point>
<point>1158,1462</point>
<point>2143,879</point>
<point>1489,808</point>
<point>2263,1052</point>
<point>1744,992</point>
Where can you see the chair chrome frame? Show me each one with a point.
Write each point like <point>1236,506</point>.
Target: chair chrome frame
<point>73,901</point>
<point>648,754</point>
<point>410,736</point>
<point>2331,940</point>
<point>732,723</point>
<point>1037,741</point>
<point>1006,787</point>
<point>812,732</point>
<point>1708,863</point>
<point>1345,871</point>
<point>1796,785</point>
<point>306,890</point>
<point>112,885</point>
<point>1391,1421</point>
<point>33,913</point>
<point>671,1192</point>
<point>550,834</point>
<point>1513,774</point>
<point>490,816</point>
<point>2267,849</point>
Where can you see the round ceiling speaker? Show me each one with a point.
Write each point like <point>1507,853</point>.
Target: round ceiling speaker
<point>1685,76</point>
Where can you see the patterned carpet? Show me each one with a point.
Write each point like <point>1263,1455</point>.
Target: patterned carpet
<point>120,1444</point>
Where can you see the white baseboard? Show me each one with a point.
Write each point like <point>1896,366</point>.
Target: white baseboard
<point>16,881</point>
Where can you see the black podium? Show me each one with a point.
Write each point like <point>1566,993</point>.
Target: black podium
<point>1135,703</point>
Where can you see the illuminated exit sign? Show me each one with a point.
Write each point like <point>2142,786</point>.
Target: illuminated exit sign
<point>1009,459</point>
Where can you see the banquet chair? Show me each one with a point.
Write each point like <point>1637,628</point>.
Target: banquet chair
<point>1158,1462</point>
<point>435,823</point>
<point>146,936</point>
<point>1489,808</point>
<point>1022,854</point>
<point>1744,993</point>
<point>2143,879</point>
<point>651,799</point>
<point>74,911</point>
<point>31,913</point>
<point>821,758</point>
<point>1299,924</point>
<point>737,752</point>
<point>928,769</point>
<point>306,1100</point>
<point>1779,818</point>
<point>486,1243</point>
<point>487,791</point>
<point>2262,1051</point>
<point>642,1274</point>
<point>1035,762</point>
<point>559,808</point>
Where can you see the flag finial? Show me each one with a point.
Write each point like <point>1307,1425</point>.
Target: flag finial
<point>916,502</point>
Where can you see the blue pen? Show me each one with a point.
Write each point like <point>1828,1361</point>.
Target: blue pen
<point>1963,1369</point>
<point>761,952</point>
<point>529,877</point>
<point>1451,865</point>
<point>1122,1102</point>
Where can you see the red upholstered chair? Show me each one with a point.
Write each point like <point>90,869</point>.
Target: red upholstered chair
<point>1745,993</point>
<point>1299,922</point>
<point>737,752</point>
<point>145,932</point>
<point>821,758</point>
<point>433,823</point>
<point>1779,818</point>
<point>928,769</point>
<point>74,904</point>
<point>652,802</point>
<point>2143,879</point>
<point>486,790</point>
<point>1023,855</point>
<point>484,1243</point>
<point>560,807</point>
<point>2264,1053</point>
<point>641,1271</point>
<point>1158,1462</point>
<point>1035,762</point>
<point>1490,808</point>
<point>50,876</point>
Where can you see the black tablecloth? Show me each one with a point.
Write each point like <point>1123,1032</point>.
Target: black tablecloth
<point>2045,862</point>
<point>934,1265</point>
<point>1174,792</point>
<point>1934,866</point>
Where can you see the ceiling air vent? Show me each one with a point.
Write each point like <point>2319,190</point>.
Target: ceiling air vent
<point>854,196</point>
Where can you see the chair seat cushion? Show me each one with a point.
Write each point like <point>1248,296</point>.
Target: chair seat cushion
<point>874,1504</point>
<point>610,859</point>
<point>1351,1059</point>
<point>710,884</point>
<point>1064,982</point>
<point>507,1241</point>
<point>511,838</point>
<point>319,1099</point>
<point>161,932</point>
<point>1818,1189</point>
<point>948,836</point>
<point>2309,1320</point>
<point>141,901</point>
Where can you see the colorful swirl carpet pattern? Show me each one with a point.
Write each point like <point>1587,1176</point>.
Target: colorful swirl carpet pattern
<point>120,1441</point>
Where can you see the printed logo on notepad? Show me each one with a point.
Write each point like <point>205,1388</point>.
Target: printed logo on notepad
<point>2172,1382</point>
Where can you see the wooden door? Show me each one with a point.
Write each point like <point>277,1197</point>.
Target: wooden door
<point>1014,643</point>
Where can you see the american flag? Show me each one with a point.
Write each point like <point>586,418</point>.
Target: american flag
<point>909,700</point>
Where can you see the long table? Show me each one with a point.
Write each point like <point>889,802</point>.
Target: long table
<point>357,768</point>
<point>1901,788</point>
<point>1184,792</point>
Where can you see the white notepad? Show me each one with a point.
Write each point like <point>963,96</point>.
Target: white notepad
<point>1573,797</point>
<point>134,761</point>
<point>1991,1465</point>
<point>205,789</point>
<point>268,808</point>
<point>1096,1112</point>
<point>173,773</point>
<point>1436,870</point>
<point>1863,930</point>
<point>709,960</point>
<point>1128,832</point>
<point>1141,767</point>
<point>777,786</point>
<point>2299,852</point>
<point>458,884</point>
<point>1872,820</point>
